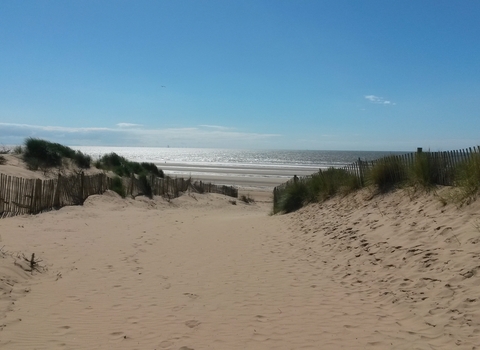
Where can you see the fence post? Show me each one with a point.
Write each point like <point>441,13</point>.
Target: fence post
<point>56,197</point>
<point>82,188</point>
<point>131,184</point>
<point>37,197</point>
<point>360,172</point>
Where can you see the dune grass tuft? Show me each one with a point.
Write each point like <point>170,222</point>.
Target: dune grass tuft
<point>293,198</point>
<point>387,173</point>
<point>153,169</point>
<point>41,154</point>
<point>467,177</point>
<point>330,182</point>
<point>123,167</point>
<point>424,170</point>
<point>246,199</point>
<point>45,154</point>
<point>82,160</point>
<point>317,188</point>
<point>117,186</point>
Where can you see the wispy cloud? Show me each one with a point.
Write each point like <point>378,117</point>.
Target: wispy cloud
<point>135,135</point>
<point>128,125</point>
<point>218,127</point>
<point>378,100</point>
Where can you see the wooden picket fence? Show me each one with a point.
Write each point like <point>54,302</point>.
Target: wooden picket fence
<point>32,196</point>
<point>203,187</point>
<point>444,163</point>
<point>173,187</point>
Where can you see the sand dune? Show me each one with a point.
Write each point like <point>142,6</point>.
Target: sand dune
<point>394,272</point>
<point>15,166</point>
<point>401,251</point>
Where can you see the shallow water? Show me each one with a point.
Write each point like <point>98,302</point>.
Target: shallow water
<point>258,168</point>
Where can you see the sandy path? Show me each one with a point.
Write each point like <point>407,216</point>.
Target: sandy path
<point>196,274</point>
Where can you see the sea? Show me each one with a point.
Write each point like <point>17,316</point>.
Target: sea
<point>244,168</point>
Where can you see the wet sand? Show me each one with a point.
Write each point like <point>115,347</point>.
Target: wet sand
<point>242,176</point>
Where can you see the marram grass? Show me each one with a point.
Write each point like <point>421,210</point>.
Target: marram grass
<point>317,188</point>
<point>387,173</point>
<point>426,171</point>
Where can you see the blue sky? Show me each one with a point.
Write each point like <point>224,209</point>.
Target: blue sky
<point>328,75</point>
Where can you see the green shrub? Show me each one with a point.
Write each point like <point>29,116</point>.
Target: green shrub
<point>123,167</point>
<point>387,173</point>
<point>117,186</point>
<point>111,160</point>
<point>120,171</point>
<point>468,176</point>
<point>153,169</point>
<point>247,199</point>
<point>118,164</point>
<point>62,150</point>
<point>134,167</point>
<point>82,160</point>
<point>317,188</point>
<point>18,150</point>
<point>46,154</point>
<point>3,160</point>
<point>426,170</point>
<point>293,197</point>
<point>41,153</point>
<point>330,182</point>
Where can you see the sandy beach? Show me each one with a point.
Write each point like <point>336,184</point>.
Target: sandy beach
<point>239,175</point>
<point>210,272</point>
<point>251,178</point>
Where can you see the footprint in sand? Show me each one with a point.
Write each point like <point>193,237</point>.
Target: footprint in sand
<point>192,323</point>
<point>191,295</point>
<point>117,335</point>
<point>349,326</point>
<point>165,344</point>
<point>178,308</point>
<point>64,330</point>
<point>474,240</point>
<point>261,318</point>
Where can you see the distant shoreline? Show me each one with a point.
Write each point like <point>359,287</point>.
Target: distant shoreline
<point>242,176</point>
<point>251,169</point>
<point>253,183</point>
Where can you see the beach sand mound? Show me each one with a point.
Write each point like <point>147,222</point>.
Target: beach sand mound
<point>15,272</point>
<point>401,249</point>
<point>15,166</point>
<point>398,271</point>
